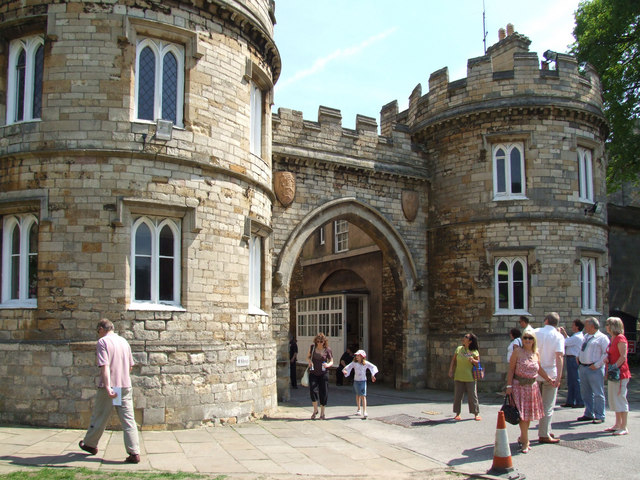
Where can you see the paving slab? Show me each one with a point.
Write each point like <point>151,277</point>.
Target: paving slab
<point>408,435</point>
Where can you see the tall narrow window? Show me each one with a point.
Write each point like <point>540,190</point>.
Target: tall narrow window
<point>255,274</point>
<point>256,120</point>
<point>588,285</point>
<point>24,88</point>
<point>511,285</point>
<point>585,175</point>
<point>508,171</point>
<point>321,235</point>
<point>155,254</point>
<point>159,81</point>
<point>20,261</point>
<point>341,236</point>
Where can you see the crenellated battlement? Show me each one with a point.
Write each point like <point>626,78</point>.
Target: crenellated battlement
<point>509,75</point>
<point>362,148</point>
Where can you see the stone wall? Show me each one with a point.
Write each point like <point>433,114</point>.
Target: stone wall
<point>88,169</point>
<point>551,113</point>
<point>359,176</point>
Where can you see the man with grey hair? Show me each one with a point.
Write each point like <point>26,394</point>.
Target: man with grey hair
<point>115,360</point>
<point>592,364</point>
<point>551,351</point>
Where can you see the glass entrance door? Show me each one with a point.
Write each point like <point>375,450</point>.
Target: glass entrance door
<point>343,318</point>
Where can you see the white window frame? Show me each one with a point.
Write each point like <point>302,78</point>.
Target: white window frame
<point>9,224</point>
<point>256,277</point>
<point>321,237</point>
<point>340,236</point>
<point>585,175</point>
<point>511,262</point>
<point>256,114</point>
<point>155,226</point>
<point>160,49</point>
<point>508,194</point>
<point>588,286</point>
<point>30,45</point>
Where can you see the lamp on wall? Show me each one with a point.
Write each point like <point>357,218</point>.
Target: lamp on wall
<point>164,129</point>
<point>595,208</point>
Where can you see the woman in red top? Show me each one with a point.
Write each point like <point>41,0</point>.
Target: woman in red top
<point>617,357</point>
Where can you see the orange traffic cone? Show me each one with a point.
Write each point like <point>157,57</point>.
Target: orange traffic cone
<point>501,450</point>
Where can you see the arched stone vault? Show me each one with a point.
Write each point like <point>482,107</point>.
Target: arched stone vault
<point>364,217</point>
<point>396,252</point>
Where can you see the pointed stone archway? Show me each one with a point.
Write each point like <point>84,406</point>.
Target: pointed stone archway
<point>397,254</point>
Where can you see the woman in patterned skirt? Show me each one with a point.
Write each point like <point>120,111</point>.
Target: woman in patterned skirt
<point>524,367</point>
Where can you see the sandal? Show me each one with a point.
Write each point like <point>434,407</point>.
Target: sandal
<point>611,429</point>
<point>478,418</point>
<point>525,450</point>
<point>322,417</point>
<point>457,417</point>
<point>313,417</point>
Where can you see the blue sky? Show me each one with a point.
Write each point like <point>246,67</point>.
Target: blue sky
<point>358,55</point>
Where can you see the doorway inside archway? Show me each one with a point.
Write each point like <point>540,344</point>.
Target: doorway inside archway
<point>344,287</point>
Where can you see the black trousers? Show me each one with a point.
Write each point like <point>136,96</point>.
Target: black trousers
<point>319,387</point>
<point>293,374</point>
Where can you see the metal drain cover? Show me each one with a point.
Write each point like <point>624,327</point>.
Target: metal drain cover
<point>404,420</point>
<point>587,445</point>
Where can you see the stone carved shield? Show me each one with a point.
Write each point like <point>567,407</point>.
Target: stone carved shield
<point>410,204</point>
<point>285,187</point>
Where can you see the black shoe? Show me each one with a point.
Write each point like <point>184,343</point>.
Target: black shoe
<point>566,405</point>
<point>584,418</point>
<point>132,458</point>
<point>578,406</point>
<point>87,448</point>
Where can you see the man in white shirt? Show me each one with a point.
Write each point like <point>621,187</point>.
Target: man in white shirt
<point>551,351</point>
<point>591,359</point>
<point>524,325</point>
<point>572,345</point>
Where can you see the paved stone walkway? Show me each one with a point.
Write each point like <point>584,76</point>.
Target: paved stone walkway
<point>408,435</point>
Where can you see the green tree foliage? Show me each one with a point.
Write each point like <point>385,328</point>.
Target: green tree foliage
<point>607,36</point>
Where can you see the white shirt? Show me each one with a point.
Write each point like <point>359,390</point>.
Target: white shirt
<point>528,329</point>
<point>514,342</point>
<point>573,344</point>
<point>550,342</point>
<point>595,349</point>
<point>361,370</point>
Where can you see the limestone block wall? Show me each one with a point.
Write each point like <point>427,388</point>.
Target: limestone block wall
<point>88,169</point>
<point>366,171</point>
<point>551,113</point>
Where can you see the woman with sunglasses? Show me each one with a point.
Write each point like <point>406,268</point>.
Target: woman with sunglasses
<point>524,367</point>
<point>464,359</point>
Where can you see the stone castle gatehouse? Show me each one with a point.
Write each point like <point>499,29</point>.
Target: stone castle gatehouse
<point>144,178</point>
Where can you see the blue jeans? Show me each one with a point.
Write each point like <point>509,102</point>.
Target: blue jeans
<point>592,390</point>
<point>573,381</point>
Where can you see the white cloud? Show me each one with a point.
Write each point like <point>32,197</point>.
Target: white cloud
<point>322,62</point>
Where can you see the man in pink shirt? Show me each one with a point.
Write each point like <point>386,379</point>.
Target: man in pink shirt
<point>115,361</point>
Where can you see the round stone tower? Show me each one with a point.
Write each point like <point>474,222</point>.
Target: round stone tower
<point>515,222</point>
<point>135,184</point>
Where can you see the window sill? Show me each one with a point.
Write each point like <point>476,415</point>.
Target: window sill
<point>256,311</point>
<point>509,197</point>
<point>511,312</point>
<point>159,307</point>
<point>142,121</point>
<point>17,305</point>
<point>593,313</point>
